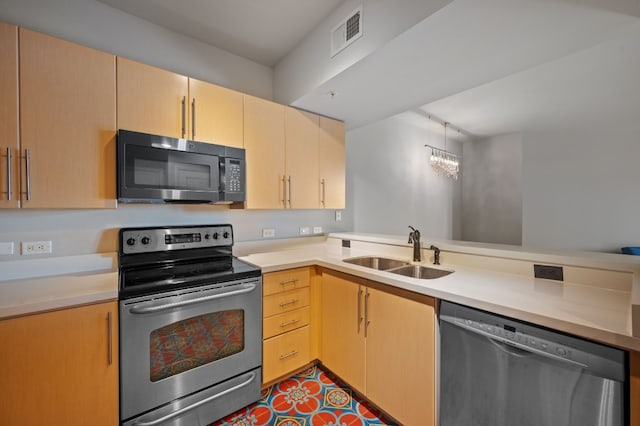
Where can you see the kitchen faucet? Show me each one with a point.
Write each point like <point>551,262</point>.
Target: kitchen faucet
<point>414,237</point>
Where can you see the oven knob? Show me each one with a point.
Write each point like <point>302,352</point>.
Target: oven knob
<point>145,240</point>
<point>207,236</point>
<point>226,234</point>
<point>131,241</point>
<point>215,235</point>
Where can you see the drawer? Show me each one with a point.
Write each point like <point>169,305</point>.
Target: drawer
<point>291,279</point>
<point>285,353</point>
<point>278,324</point>
<point>285,302</point>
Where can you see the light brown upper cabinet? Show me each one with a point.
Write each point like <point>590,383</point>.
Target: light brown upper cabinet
<point>67,124</point>
<point>264,144</point>
<point>293,162</point>
<point>332,163</point>
<point>156,101</point>
<point>9,143</point>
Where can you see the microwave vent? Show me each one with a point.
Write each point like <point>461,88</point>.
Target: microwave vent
<point>346,32</point>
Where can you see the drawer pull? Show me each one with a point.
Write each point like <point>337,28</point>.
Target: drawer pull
<point>289,355</point>
<point>289,302</point>
<point>293,281</point>
<point>288,323</point>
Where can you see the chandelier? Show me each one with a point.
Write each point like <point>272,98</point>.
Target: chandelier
<point>443,162</point>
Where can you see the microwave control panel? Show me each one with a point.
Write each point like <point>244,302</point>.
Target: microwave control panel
<point>234,176</point>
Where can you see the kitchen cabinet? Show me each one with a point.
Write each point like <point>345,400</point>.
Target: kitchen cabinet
<point>369,339</point>
<point>156,101</point>
<point>332,163</point>
<point>286,322</point>
<point>60,367</point>
<point>9,143</point>
<point>295,159</point>
<point>67,124</point>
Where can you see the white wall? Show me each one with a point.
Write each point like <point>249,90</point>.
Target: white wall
<point>390,184</point>
<point>97,25</point>
<point>492,190</point>
<point>581,187</point>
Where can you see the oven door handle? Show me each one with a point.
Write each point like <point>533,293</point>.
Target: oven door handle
<point>137,309</point>
<point>197,404</point>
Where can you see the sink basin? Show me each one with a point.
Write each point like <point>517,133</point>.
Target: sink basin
<point>380,263</point>
<point>419,271</point>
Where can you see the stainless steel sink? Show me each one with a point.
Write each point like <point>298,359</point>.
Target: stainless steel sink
<point>380,263</point>
<point>419,271</point>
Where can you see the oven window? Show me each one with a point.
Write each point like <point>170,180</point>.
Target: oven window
<point>190,343</point>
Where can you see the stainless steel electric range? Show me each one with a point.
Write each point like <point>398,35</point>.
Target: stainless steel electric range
<point>190,326</point>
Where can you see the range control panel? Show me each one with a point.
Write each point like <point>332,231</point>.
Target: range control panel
<point>146,240</point>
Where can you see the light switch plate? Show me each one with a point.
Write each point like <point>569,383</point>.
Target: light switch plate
<point>6,248</point>
<point>305,230</point>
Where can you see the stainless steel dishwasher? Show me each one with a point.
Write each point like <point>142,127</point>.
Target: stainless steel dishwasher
<point>496,371</point>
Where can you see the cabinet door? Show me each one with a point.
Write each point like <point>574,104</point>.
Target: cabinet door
<point>67,124</point>
<point>60,368</point>
<point>152,100</point>
<point>10,155</point>
<point>400,357</point>
<point>332,163</point>
<point>301,159</point>
<point>343,343</point>
<point>264,145</point>
<point>216,114</point>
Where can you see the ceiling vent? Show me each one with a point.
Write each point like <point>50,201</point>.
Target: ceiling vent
<point>346,32</point>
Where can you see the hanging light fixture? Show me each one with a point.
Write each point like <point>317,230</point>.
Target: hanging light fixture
<point>443,162</point>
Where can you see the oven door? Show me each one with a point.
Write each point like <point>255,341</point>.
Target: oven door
<point>172,345</point>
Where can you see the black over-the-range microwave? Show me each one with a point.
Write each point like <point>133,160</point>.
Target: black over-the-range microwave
<point>160,169</point>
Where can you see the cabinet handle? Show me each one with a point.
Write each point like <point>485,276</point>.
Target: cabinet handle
<point>9,173</point>
<point>184,116</point>
<point>359,307</point>
<point>323,184</point>
<point>289,355</point>
<point>289,191</point>
<point>27,162</point>
<point>109,338</point>
<point>284,191</point>
<point>288,323</point>
<point>366,312</point>
<point>289,302</point>
<point>193,118</point>
<point>292,281</point>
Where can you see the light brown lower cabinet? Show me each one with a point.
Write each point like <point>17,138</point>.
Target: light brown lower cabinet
<point>382,342</point>
<point>60,367</point>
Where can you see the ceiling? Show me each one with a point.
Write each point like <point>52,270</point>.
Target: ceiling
<point>490,67</point>
<point>263,31</point>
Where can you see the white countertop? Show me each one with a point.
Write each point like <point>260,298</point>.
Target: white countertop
<point>593,312</point>
<point>32,286</point>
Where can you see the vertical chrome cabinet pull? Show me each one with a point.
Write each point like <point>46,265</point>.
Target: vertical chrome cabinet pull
<point>109,338</point>
<point>27,161</point>
<point>284,191</point>
<point>323,199</point>
<point>193,118</point>
<point>184,116</point>
<point>289,191</point>
<point>366,312</point>
<point>9,173</point>
<point>359,307</point>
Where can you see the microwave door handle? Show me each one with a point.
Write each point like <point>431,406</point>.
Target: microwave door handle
<point>180,411</point>
<point>137,309</point>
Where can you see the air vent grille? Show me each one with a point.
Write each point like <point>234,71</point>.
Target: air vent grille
<point>347,31</point>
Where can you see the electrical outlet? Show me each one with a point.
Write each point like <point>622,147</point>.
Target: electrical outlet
<point>305,230</point>
<point>6,249</point>
<point>36,247</point>
<point>338,215</point>
<point>317,229</point>
<point>268,233</point>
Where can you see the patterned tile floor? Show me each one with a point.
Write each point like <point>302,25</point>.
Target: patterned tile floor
<point>311,398</point>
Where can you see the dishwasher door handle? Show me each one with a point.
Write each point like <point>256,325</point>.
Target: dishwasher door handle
<point>501,342</point>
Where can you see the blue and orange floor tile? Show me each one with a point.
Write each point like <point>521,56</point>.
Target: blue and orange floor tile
<point>312,398</point>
